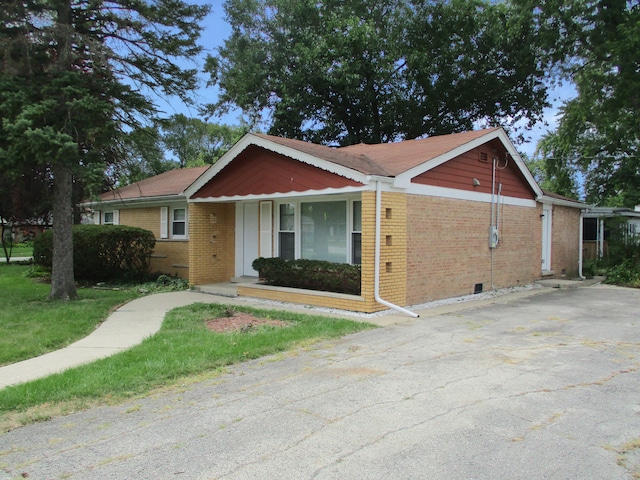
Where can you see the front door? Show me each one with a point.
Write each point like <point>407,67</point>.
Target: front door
<point>250,235</point>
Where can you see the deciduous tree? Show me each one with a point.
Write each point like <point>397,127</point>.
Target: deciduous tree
<point>595,45</point>
<point>348,71</point>
<point>195,142</point>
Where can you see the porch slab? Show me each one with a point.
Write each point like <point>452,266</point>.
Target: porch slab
<point>255,290</point>
<point>228,289</point>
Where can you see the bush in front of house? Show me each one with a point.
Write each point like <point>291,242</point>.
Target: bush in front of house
<point>102,252</point>
<point>310,274</point>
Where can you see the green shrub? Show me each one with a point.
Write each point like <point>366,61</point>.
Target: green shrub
<point>626,273</point>
<point>310,274</point>
<point>102,252</point>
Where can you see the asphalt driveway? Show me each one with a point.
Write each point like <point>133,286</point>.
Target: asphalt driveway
<point>545,387</point>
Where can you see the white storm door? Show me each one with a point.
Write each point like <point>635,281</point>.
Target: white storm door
<point>250,238</point>
<point>546,238</point>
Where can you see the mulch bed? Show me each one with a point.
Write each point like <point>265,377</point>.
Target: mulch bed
<point>241,322</point>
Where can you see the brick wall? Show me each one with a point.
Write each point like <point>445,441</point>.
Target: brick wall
<point>448,247</point>
<point>211,242</point>
<point>169,256</point>
<point>393,249</point>
<point>565,238</point>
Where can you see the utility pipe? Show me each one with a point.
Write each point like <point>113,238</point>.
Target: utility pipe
<point>376,287</point>
<point>581,244</point>
<point>493,190</point>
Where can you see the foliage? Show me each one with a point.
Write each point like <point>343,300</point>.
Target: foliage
<point>183,347</point>
<point>102,252</point>
<point>377,70</point>
<point>594,267</point>
<point>24,198</point>
<point>622,245</point>
<point>594,45</point>
<point>74,76</point>
<point>197,143</point>
<point>310,274</point>
<point>626,273</point>
<point>144,157</point>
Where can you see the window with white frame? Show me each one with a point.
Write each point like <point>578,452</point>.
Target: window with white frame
<point>173,223</point>
<point>111,218</point>
<point>286,231</point>
<point>327,230</point>
<point>356,232</point>
<point>178,223</point>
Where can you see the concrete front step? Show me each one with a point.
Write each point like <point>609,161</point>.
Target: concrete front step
<point>222,289</point>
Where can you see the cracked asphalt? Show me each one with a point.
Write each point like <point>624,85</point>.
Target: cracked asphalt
<point>543,387</point>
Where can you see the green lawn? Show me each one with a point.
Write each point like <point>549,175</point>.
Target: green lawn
<point>31,325</point>
<point>18,251</point>
<point>183,349</point>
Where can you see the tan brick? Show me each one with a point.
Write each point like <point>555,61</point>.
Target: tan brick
<point>449,250</point>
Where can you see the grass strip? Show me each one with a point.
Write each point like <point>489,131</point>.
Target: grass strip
<point>31,324</point>
<point>18,251</point>
<point>183,347</point>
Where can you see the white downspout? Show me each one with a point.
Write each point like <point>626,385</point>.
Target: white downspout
<point>581,244</point>
<point>376,288</point>
<point>601,238</point>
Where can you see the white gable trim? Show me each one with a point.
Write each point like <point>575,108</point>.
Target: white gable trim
<point>404,179</point>
<point>250,139</point>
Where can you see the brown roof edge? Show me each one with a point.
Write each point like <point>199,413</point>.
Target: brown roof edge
<point>172,182</point>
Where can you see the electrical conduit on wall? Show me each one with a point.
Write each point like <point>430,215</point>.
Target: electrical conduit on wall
<point>377,257</point>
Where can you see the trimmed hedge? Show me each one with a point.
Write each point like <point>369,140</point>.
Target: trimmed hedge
<point>102,252</point>
<point>310,274</point>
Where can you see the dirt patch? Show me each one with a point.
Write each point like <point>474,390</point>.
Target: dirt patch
<point>241,322</point>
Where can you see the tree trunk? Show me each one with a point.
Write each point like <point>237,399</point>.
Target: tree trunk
<point>63,284</point>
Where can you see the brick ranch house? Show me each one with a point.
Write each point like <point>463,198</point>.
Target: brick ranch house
<point>427,219</point>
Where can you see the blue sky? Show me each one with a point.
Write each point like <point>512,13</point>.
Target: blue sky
<point>216,30</point>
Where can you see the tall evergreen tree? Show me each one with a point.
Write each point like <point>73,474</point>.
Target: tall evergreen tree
<point>74,75</point>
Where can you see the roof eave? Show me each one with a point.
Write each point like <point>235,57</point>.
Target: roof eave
<point>136,200</point>
<point>561,202</point>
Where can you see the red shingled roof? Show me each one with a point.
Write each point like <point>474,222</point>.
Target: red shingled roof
<point>386,159</point>
<point>173,182</point>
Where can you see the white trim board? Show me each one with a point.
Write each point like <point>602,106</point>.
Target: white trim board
<point>456,194</point>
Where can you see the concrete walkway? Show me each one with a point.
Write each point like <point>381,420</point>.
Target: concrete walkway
<point>130,324</point>
<point>15,259</point>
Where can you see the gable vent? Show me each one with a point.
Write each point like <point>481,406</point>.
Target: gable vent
<point>483,157</point>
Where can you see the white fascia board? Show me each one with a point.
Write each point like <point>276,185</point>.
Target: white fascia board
<point>138,202</point>
<point>281,195</point>
<point>404,179</point>
<point>561,202</point>
<point>457,194</point>
<point>250,139</point>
